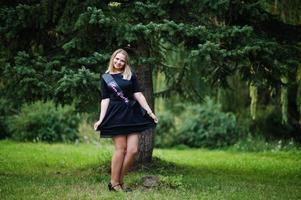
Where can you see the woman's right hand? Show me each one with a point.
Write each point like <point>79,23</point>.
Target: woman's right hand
<point>155,118</point>
<point>97,124</point>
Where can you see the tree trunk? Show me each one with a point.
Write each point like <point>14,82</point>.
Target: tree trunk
<point>144,73</point>
<point>293,112</point>
<point>283,100</point>
<point>253,95</point>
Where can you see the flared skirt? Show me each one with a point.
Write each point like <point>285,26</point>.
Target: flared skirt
<point>124,119</point>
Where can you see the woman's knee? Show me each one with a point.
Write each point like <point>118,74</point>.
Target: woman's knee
<point>132,144</point>
<point>132,150</point>
<point>120,144</point>
<point>120,150</point>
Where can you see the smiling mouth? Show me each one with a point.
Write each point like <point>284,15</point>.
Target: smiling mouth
<point>118,67</point>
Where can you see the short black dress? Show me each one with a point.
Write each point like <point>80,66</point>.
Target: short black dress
<point>122,118</point>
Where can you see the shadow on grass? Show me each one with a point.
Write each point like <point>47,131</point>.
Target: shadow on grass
<point>166,168</point>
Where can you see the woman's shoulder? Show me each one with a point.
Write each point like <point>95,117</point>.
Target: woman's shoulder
<point>134,74</point>
<point>105,78</point>
<point>101,74</point>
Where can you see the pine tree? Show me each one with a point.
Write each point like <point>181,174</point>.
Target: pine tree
<point>56,49</point>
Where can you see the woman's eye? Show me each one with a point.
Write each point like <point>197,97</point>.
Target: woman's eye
<point>117,59</point>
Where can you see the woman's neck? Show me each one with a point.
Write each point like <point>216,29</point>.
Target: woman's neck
<point>116,72</point>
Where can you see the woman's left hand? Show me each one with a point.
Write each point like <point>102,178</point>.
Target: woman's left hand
<point>152,115</point>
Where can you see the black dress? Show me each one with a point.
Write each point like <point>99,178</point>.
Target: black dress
<point>122,118</point>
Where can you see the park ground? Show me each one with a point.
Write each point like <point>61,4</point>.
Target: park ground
<point>81,171</point>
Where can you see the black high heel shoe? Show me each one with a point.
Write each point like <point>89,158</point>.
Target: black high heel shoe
<point>112,187</point>
<point>126,189</point>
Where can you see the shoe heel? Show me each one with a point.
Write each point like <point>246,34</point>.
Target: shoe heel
<point>110,186</point>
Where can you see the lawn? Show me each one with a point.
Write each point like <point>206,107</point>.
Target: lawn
<point>81,171</point>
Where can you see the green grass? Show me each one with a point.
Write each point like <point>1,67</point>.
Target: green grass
<point>81,171</point>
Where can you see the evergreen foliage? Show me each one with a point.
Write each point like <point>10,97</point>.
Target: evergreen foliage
<point>226,38</point>
<point>55,50</point>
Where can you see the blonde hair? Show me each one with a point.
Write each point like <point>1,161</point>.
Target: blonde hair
<point>127,73</point>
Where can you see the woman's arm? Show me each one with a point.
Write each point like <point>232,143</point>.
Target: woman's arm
<point>142,101</point>
<point>103,110</point>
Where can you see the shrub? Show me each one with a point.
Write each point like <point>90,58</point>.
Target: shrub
<point>44,121</point>
<point>86,132</point>
<point>165,130</point>
<point>207,126</point>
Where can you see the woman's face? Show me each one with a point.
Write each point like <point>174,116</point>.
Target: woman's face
<point>119,62</point>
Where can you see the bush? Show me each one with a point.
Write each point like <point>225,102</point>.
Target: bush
<point>207,126</point>
<point>44,121</point>
<point>165,130</point>
<point>86,132</point>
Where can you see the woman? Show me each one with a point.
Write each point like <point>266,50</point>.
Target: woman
<point>124,114</point>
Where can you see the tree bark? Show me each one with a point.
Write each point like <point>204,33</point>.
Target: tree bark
<point>293,113</point>
<point>254,98</point>
<point>144,74</point>
<point>284,102</point>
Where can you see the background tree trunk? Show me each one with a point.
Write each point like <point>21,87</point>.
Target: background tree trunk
<point>284,102</point>
<point>293,113</point>
<point>254,97</point>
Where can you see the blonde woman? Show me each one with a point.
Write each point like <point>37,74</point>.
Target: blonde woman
<point>124,114</point>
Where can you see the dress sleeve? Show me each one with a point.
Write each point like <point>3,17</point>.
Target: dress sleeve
<point>104,89</point>
<point>135,84</point>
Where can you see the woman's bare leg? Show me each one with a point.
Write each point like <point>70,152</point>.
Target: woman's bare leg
<point>131,151</point>
<point>120,143</point>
